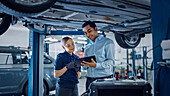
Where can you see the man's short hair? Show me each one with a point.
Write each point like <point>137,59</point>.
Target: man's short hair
<point>90,23</point>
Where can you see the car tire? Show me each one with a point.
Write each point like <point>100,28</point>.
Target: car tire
<point>127,41</point>
<point>25,91</point>
<point>26,7</point>
<point>5,21</point>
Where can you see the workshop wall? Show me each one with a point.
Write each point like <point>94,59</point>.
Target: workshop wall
<point>17,35</point>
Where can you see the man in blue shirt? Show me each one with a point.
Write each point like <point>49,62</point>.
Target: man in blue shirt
<point>103,49</point>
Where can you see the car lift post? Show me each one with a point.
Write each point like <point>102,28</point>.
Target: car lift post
<point>133,54</point>
<point>46,48</point>
<point>160,17</point>
<point>127,56</point>
<point>145,73</point>
<point>35,81</point>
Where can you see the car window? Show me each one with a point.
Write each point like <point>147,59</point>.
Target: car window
<point>6,58</point>
<point>47,60</point>
<point>20,58</point>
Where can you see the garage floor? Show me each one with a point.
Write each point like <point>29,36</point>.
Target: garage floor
<point>81,85</point>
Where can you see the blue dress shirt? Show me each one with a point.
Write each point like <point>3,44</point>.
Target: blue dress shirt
<point>69,79</point>
<point>103,50</point>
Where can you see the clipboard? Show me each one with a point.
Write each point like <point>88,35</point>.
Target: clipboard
<point>87,59</point>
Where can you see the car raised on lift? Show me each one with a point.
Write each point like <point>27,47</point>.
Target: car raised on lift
<point>129,20</point>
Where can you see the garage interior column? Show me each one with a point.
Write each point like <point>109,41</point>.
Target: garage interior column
<point>160,17</point>
<point>35,81</point>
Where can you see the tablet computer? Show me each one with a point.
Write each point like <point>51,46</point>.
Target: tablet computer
<point>87,59</point>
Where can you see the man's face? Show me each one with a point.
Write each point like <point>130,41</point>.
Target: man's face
<point>90,32</point>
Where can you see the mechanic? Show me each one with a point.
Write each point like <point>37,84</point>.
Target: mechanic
<point>103,49</point>
<point>66,71</point>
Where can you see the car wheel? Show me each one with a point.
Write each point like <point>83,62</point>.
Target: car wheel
<point>45,90</point>
<point>5,21</point>
<point>128,41</point>
<point>28,6</point>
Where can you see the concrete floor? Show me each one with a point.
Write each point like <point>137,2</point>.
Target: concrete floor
<point>150,80</point>
<point>81,87</point>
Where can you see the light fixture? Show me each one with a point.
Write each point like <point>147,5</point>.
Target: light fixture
<point>81,42</point>
<point>82,38</point>
<point>51,40</point>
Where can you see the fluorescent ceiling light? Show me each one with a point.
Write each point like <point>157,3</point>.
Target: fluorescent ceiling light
<point>82,42</point>
<point>51,40</point>
<point>82,38</point>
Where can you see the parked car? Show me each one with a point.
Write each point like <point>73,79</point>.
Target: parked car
<point>14,66</point>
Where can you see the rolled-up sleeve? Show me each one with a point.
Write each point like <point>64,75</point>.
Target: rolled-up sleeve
<point>109,60</point>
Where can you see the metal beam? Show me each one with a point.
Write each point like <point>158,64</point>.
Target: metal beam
<point>60,32</point>
<point>160,31</point>
<point>35,81</point>
<point>145,63</point>
<point>133,54</point>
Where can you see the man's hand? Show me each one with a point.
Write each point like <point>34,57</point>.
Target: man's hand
<point>89,64</point>
<point>70,65</point>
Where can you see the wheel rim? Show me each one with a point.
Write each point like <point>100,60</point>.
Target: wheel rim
<point>132,40</point>
<point>30,2</point>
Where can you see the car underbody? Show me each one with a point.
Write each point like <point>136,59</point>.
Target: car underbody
<point>130,20</point>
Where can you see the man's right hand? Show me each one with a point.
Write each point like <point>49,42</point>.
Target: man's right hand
<point>89,64</point>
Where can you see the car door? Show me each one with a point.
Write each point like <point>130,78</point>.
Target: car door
<point>12,73</point>
<point>49,72</point>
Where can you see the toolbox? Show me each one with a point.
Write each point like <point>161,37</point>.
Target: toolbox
<point>103,87</point>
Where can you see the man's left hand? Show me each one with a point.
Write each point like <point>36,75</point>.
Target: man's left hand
<point>89,64</point>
